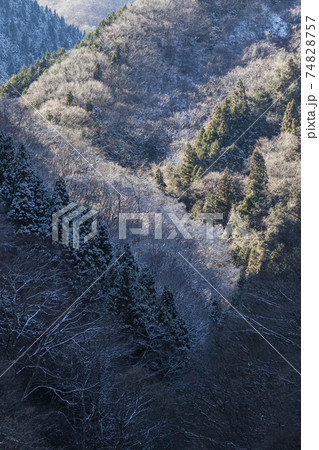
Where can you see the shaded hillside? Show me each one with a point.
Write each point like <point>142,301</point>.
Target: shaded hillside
<point>27,32</point>
<point>85,15</point>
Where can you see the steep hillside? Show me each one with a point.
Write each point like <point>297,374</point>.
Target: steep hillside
<point>160,68</point>
<point>127,98</point>
<point>84,15</point>
<point>27,32</point>
<point>173,108</point>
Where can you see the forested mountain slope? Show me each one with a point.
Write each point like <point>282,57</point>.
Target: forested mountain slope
<point>27,32</point>
<point>85,15</point>
<point>132,99</point>
<point>136,119</point>
<point>159,69</point>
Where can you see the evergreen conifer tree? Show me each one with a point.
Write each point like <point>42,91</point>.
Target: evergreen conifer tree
<point>225,125</point>
<point>97,72</point>
<point>19,171</point>
<point>145,301</point>
<point>214,151</point>
<point>69,98</point>
<point>255,205</point>
<point>289,122</point>
<point>123,278</point>
<point>6,156</point>
<point>60,197</point>
<point>240,108</point>
<point>92,258</point>
<point>222,199</point>
<point>22,190</point>
<point>89,106</point>
<point>117,53</point>
<point>188,166</point>
<point>30,206</point>
<point>160,179</point>
<point>176,332</point>
<point>125,49</point>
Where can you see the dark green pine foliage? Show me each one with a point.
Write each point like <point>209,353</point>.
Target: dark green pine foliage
<point>255,205</point>
<point>189,168</point>
<point>214,147</point>
<point>145,294</point>
<point>19,83</point>
<point>93,40</point>
<point>160,179</point>
<point>222,199</point>
<point>69,98</point>
<point>117,54</point>
<point>24,193</point>
<point>262,100</point>
<point>97,72</point>
<point>240,110</point>
<point>6,157</point>
<point>123,284</point>
<point>160,334</point>
<point>201,145</point>
<point>176,334</point>
<point>92,258</point>
<point>290,119</point>
<point>18,171</point>
<point>60,197</point>
<point>225,126</point>
<point>89,106</point>
<point>289,83</point>
<point>125,50</point>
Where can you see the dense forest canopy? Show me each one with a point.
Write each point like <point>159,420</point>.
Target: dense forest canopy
<point>27,32</point>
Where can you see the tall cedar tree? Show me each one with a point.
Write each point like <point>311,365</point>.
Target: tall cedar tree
<point>169,318</point>
<point>30,206</point>
<point>22,189</point>
<point>189,166</point>
<point>97,72</point>
<point>6,156</point>
<point>69,98</point>
<point>92,259</point>
<point>240,107</point>
<point>160,179</point>
<point>123,276</point>
<point>117,54</point>
<point>160,332</point>
<point>227,123</point>
<point>290,119</point>
<point>60,197</point>
<point>255,205</point>
<point>222,199</point>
